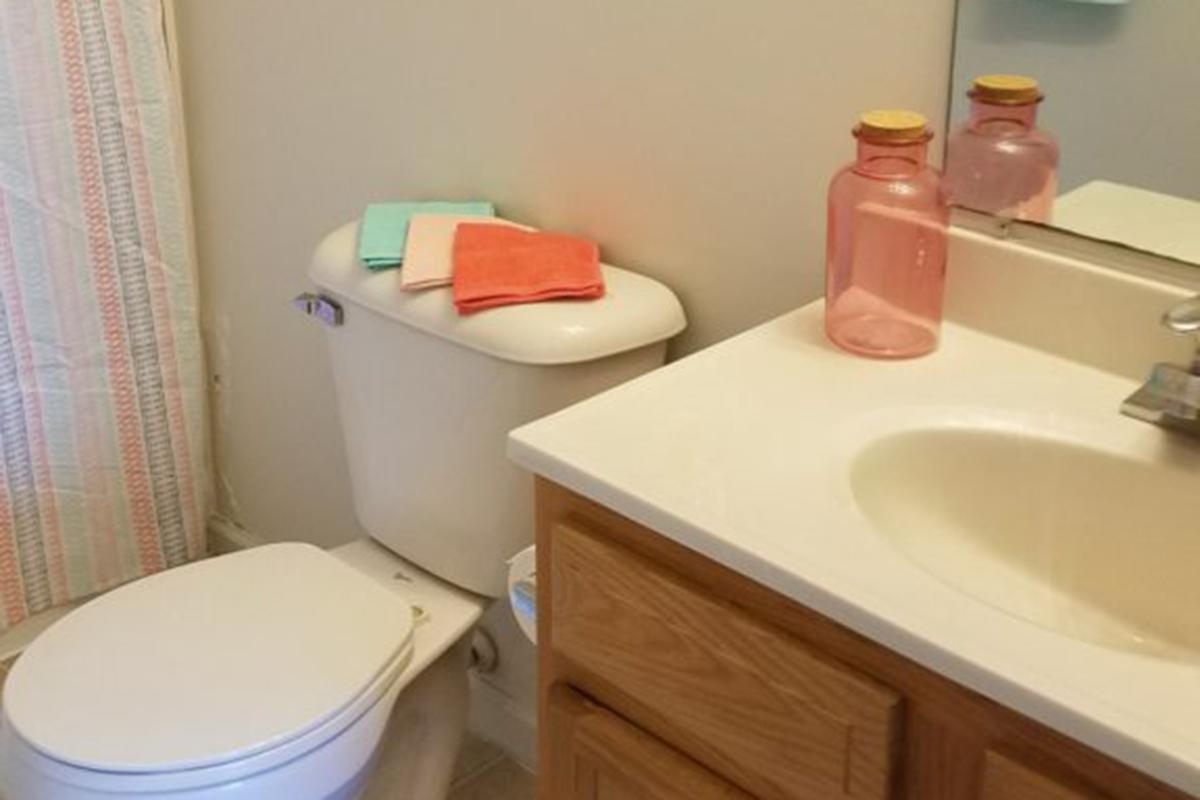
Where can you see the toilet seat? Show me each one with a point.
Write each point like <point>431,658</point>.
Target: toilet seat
<point>253,660</point>
<point>299,751</point>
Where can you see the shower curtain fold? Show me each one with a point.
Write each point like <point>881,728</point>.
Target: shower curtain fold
<point>103,463</point>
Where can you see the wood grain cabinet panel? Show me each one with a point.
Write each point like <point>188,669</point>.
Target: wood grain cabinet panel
<point>602,757</point>
<point>1005,779</point>
<point>700,677</point>
<point>745,698</point>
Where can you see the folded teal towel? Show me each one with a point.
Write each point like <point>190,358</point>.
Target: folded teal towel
<point>384,229</point>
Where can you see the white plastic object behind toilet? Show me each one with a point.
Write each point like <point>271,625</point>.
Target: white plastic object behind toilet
<point>522,591</point>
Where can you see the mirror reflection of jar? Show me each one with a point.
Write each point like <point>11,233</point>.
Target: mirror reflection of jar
<point>999,161</point>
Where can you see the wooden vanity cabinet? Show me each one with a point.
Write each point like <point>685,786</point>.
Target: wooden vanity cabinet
<point>664,675</point>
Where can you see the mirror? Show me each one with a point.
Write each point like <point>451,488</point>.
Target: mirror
<point>1120,95</point>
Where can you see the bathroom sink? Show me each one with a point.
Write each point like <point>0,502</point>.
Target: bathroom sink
<point>987,512</point>
<point>1097,544</point>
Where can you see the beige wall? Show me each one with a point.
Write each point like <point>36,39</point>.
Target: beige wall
<point>692,138</point>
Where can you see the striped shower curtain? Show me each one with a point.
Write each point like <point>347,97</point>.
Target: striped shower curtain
<point>102,435</point>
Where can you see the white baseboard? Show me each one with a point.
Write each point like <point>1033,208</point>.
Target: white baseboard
<point>226,536</point>
<point>504,722</point>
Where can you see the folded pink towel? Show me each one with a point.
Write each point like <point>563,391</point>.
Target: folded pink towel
<point>429,250</point>
<point>500,266</point>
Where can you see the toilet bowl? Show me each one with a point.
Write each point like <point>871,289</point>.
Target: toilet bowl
<point>263,710</point>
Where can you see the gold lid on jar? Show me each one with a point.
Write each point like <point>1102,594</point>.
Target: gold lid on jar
<point>1005,90</point>
<point>893,126</point>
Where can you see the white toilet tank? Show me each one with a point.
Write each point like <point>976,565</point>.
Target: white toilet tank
<point>427,397</point>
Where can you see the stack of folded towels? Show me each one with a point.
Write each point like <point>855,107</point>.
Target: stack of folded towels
<point>489,261</point>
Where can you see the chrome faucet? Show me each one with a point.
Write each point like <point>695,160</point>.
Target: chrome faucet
<point>1171,397</point>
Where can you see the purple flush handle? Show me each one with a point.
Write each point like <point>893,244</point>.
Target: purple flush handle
<point>325,309</point>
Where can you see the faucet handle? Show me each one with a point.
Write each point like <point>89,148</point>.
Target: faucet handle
<point>1184,317</point>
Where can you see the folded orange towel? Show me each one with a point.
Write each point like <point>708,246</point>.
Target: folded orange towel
<point>499,266</point>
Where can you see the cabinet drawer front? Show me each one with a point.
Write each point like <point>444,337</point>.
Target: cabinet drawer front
<point>1004,779</point>
<point>600,756</point>
<point>743,697</point>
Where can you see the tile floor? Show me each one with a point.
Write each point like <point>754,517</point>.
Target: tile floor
<point>483,772</point>
<point>503,779</point>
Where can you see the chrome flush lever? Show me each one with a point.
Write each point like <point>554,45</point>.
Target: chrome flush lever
<point>323,308</point>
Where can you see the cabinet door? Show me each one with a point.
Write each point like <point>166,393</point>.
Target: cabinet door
<point>738,695</point>
<point>1004,779</point>
<point>599,756</point>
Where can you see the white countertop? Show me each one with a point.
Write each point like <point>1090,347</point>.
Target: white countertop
<point>740,452</point>
<point>1151,221</point>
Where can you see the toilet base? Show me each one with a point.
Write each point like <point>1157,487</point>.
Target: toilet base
<point>416,756</point>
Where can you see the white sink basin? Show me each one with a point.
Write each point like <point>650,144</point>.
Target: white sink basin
<point>1096,544</point>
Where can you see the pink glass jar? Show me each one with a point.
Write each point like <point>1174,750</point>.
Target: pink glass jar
<point>999,161</point>
<point>886,242</point>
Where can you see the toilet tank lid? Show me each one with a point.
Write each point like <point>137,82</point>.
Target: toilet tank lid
<point>208,663</point>
<point>635,311</point>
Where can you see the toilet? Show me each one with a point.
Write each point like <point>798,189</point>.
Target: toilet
<point>276,672</point>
